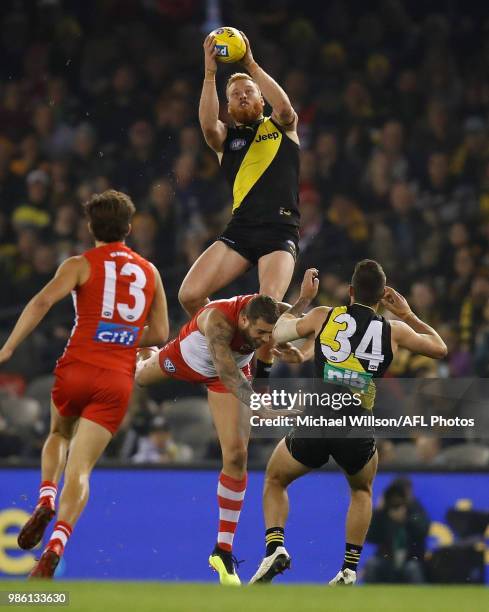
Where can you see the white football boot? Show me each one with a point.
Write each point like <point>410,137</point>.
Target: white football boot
<point>275,564</point>
<point>344,577</point>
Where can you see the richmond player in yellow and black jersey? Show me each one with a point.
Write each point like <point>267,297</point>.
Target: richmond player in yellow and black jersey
<point>259,158</point>
<point>352,346</point>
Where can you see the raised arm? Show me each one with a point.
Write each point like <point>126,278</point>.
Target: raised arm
<point>410,332</point>
<point>291,324</point>
<point>213,128</point>
<point>156,332</point>
<point>283,112</point>
<point>70,273</point>
<point>219,333</point>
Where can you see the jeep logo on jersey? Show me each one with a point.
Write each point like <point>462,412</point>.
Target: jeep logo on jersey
<point>237,144</point>
<point>272,136</point>
<point>113,333</point>
<point>168,366</point>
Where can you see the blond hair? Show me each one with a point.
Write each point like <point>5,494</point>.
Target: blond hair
<point>239,76</point>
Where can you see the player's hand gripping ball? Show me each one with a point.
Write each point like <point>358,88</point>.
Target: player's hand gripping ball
<point>230,45</point>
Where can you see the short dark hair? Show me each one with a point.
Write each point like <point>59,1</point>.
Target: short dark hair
<point>263,307</point>
<point>110,215</point>
<point>368,282</point>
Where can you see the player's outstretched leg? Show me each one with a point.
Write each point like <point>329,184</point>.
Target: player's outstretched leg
<point>53,461</point>
<point>357,521</point>
<point>282,469</point>
<point>89,443</point>
<point>233,429</point>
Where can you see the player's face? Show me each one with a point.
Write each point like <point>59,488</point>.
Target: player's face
<point>257,333</point>
<point>245,101</point>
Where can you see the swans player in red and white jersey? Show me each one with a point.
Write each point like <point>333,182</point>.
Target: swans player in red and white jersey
<point>120,305</point>
<point>215,348</point>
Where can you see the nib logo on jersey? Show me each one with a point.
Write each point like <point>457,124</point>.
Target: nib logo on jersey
<point>114,333</point>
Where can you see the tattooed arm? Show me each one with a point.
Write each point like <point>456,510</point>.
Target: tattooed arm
<point>219,333</point>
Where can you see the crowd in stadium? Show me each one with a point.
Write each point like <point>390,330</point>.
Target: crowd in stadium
<point>393,121</point>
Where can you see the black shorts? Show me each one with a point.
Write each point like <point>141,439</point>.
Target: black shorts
<point>351,454</point>
<point>255,241</point>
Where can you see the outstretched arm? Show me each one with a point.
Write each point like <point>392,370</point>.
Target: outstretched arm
<point>65,280</point>
<point>271,90</point>
<point>411,332</point>
<point>213,129</point>
<point>292,325</point>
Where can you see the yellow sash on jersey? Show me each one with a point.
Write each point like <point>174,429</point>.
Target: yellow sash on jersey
<point>259,156</point>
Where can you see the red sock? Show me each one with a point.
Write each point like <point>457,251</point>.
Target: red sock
<point>61,533</point>
<point>47,494</point>
<point>230,496</point>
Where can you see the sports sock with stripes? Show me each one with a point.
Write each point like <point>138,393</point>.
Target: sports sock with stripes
<point>230,496</point>
<point>47,493</point>
<point>60,536</point>
<point>274,537</point>
<point>352,556</point>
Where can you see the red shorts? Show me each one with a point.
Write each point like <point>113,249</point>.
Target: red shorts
<point>84,390</point>
<point>173,365</point>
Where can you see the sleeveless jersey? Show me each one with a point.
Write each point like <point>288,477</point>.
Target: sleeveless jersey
<point>261,165</point>
<point>353,348</point>
<point>193,344</point>
<point>111,308</point>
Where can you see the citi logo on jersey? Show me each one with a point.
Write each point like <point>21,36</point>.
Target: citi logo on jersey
<point>113,333</point>
<point>272,136</point>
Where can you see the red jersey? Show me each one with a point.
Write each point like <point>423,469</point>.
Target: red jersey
<point>187,357</point>
<point>111,308</point>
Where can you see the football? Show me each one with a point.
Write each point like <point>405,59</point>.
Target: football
<point>230,45</point>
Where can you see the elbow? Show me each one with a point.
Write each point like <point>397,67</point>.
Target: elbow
<point>442,351</point>
<point>41,303</point>
<point>162,334</point>
<point>285,114</point>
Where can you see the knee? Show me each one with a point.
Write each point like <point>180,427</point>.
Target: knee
<point>235,456</point>
<point>362,491</point>
<point>56,430</point>
<point>188,297</point>
<point>274,479</point>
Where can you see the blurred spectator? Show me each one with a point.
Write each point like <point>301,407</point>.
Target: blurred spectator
<point>399,528</point>
<point>160,447</point>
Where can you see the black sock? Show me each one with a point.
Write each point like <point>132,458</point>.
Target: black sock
<point>262,369</point>
<point>352,556</point>
<point>274,537</point>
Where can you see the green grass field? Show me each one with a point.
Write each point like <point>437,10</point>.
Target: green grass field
<point>167,597</point>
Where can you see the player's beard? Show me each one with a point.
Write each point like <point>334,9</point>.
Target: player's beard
<point>247,114</point>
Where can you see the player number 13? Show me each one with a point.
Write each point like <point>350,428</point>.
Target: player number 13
<point>136,287</point>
